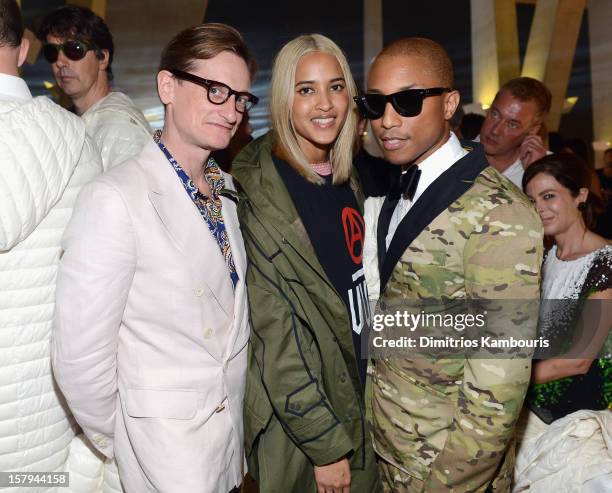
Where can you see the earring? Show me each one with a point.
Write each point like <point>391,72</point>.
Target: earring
<point>582,206</point>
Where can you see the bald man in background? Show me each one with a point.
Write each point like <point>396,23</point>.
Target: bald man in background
<point>453,230</point>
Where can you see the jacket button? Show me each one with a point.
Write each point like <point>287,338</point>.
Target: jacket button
<point>199,292</point>
<point>100,440</point>
<point>343,378</point>
<point>208,333</point>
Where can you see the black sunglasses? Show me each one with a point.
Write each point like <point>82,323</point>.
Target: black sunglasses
<point>406,103</point>
<point>74,49</point>
<point>218,92</point>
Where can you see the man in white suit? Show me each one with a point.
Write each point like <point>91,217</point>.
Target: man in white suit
<point>151,322</point>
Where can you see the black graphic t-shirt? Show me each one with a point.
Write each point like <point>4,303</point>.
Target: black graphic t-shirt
<point>335,226</point>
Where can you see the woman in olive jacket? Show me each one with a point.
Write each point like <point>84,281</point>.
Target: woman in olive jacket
<point>305,425</point>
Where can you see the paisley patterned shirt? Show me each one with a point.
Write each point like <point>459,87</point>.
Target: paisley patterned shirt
<point>209,207</point>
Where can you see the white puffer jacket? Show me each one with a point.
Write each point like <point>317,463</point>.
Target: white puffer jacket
<point>573,454</point>
<point>45,158</point>
<point>118,128</point>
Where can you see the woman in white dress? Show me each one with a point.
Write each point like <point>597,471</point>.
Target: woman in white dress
<point>565,437</point>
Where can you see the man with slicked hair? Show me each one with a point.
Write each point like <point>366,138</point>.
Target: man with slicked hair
<point>152,325</point>
<point>452,230</point>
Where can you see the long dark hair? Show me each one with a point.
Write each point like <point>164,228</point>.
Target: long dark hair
<point>571,172</point>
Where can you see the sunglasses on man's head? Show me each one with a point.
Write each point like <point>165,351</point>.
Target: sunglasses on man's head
<point>74,49</point>
<point>406,103</point>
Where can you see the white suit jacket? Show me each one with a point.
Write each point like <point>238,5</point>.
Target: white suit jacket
<point>150,338</point>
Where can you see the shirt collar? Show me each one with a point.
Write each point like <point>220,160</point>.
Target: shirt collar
<point>212,171</point>
<point>13,88</point>
<point>214,176</point>
<point>518,164</point>
<point>515,173</point>
<point>436,164</point>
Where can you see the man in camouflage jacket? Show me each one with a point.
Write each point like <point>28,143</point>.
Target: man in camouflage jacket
<point>463,232</point>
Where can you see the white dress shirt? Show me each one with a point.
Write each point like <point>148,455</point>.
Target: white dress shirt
<point>515,173</point>
<point>431,168</point>
<point>13,88</point>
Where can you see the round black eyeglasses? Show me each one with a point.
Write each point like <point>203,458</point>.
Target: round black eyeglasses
<point>218,92</point>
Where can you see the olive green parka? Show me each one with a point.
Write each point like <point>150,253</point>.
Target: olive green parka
<point>304,402</point>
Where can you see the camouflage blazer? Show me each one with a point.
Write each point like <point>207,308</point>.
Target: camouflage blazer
<point>472,234</point>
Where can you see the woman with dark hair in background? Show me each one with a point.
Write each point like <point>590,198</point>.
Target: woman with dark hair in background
<point>305,425</point>
<point>568,424</point>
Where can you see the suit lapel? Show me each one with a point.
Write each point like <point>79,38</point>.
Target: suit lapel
<point>232,227</point>
<point>186,227</point>
<point>447,188</point>
<point>235,237</point>
<point>382,229</point>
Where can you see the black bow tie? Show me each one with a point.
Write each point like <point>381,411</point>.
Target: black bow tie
<point>406,185</point>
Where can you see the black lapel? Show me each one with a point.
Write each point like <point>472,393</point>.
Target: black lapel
<point>447,188</point>
<point>382,229</point>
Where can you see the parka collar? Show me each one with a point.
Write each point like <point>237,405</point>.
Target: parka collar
<point>265,191</point>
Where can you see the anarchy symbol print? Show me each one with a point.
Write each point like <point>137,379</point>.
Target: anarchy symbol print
<point>354,232</point>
